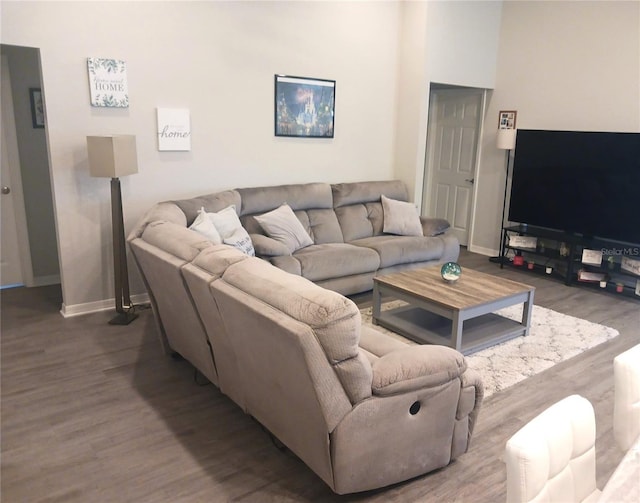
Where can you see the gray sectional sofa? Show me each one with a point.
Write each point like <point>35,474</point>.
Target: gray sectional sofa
<point>345,222</point>
<point>361,409</point>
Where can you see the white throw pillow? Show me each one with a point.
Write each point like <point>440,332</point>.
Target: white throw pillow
<point>203,225</point>
<point>241,240</point>
<point>228,224</point>
<point>400,218</point>
<point>226,221</point>
<point>282,225</point>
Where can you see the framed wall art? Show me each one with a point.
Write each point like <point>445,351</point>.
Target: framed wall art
<point>304,107</point>
<point>174,129</point>
<point>507,119</point>
<point>37,107</point>
<point>108,82</point>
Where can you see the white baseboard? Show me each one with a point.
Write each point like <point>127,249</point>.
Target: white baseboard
<point>99,305</point>
<point>483,251</point>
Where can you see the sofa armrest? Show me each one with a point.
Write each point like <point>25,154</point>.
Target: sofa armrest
<point>268,247</point>
<point>434,226</point>
<point>416,367</point>
<point>470,398</point>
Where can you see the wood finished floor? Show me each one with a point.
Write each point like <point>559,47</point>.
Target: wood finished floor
<point>94,412</point>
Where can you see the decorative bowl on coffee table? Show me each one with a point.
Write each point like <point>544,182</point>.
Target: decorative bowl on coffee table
<point>451,272</point>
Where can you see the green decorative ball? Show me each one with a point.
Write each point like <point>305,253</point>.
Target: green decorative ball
<point>451,272</point>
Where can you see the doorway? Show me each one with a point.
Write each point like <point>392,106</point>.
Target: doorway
<point>26,174</point>
<point>455,121</point>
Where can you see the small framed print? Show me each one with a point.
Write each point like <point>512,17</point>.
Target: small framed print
<point>37,107</point>
<point>507,119</point>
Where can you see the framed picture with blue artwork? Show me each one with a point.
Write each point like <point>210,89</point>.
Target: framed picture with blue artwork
<point>304,107</point>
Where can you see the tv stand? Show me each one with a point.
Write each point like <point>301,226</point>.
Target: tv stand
<point>576,260</point>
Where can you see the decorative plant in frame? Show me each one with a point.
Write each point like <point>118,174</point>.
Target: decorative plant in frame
<point>108,82</point>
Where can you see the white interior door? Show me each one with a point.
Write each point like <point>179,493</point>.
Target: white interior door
<point>454,125</point>
<point>11,272</point>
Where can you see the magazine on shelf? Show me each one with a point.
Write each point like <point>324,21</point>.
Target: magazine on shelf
<point>591,277</point>
<point>630,265</point>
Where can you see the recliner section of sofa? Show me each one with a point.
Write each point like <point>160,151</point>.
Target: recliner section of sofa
<point>362,410</point>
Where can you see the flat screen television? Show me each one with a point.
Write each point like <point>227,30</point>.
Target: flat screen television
<point>578,182</point>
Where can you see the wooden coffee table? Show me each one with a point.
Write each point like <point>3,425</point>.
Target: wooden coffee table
<point>460,315</point>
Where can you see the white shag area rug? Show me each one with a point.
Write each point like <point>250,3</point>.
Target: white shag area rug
<point>553,338</point>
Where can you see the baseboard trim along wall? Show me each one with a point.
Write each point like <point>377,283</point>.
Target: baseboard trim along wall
<point>483,251</point>
<point>100,305</point>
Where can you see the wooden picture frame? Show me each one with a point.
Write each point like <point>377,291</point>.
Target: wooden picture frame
<point>37,107</point>
<point>304,107</point>
<point>507,119</point>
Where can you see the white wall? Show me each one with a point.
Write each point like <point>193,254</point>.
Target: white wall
<point>462,42</point>
<point>571,65</point>
<point>445,42</point>
<point>561,65</point>
<point>218,59</point>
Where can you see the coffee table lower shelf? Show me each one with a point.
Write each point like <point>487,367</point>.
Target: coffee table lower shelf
<point>425,327</point>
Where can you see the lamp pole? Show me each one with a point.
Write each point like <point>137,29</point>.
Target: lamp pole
<point>505,140</point>
<point>504,206</point>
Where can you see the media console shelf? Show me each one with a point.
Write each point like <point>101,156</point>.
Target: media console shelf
<point>596,263</point>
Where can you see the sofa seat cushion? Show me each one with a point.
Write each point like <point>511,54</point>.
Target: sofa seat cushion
<point>396,250</point>
<point>334,260</point>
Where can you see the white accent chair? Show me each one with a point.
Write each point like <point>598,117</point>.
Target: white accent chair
<point>626,410</point>
<point>553,458</point>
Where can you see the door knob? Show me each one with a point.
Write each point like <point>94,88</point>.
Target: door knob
<point>470,180</point>
<point>5,189</point>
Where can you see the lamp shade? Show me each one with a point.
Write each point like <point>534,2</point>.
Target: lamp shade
<point>112,156</point>
<point>506,139</point>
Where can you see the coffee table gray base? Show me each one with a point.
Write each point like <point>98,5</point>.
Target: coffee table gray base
<point>466,330</point>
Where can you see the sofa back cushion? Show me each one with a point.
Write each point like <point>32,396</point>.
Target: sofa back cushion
<point>333,319</point>
<point>358,207</point>
<point>206,269</point>
<point>166,212</point>
<point>211,203</point>
<point>177,316</point>
<point>175,239</point>
<point>312,203</point>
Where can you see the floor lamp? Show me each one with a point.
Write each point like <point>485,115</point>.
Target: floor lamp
<point>113,157</point>
<point>506,140</point>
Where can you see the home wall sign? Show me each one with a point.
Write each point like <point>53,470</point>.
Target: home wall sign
<point>174,129</point>
<point>108,82</point>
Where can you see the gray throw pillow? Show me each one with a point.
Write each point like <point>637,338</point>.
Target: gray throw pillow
<point>400,218</point>
<point>282,225</point>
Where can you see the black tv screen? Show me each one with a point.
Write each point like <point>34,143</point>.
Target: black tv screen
<point>578,182</point>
